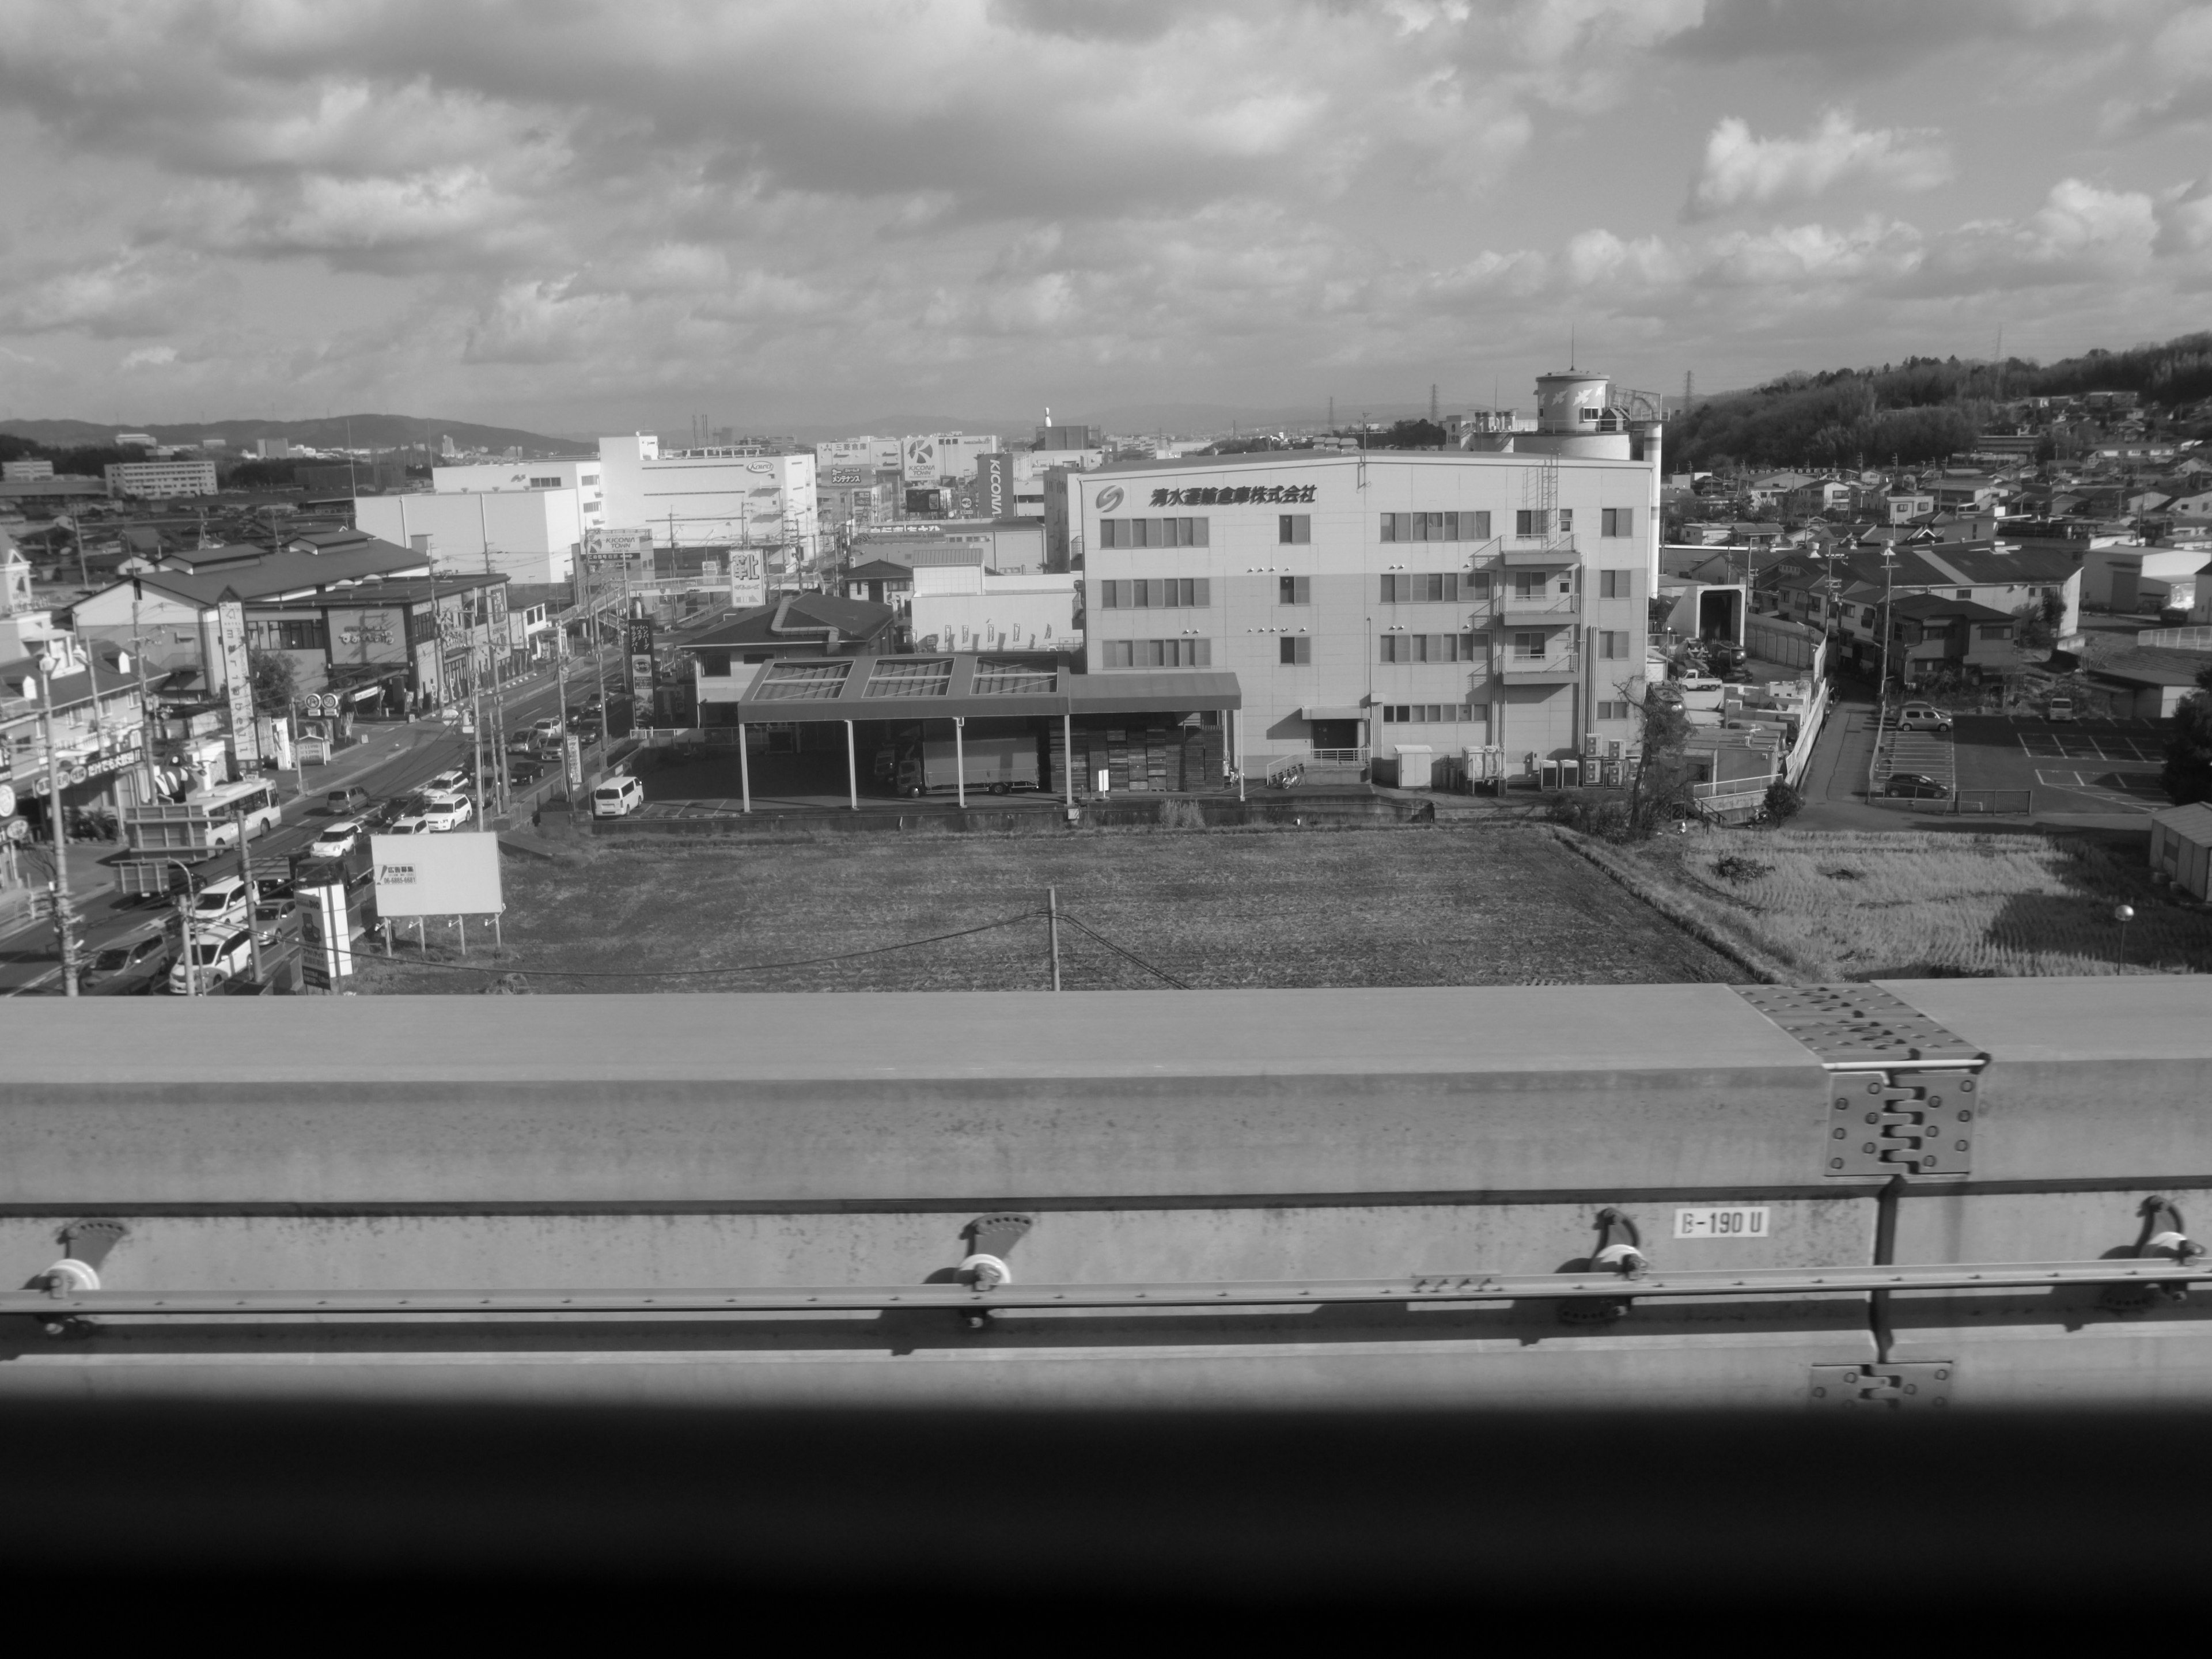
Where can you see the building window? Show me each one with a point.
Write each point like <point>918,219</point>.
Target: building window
<point>1153,532</point>
<point>1962,592</point>
<point>1612,644</point>
<point>1528,646</point>
<point>1427,648</point>
<point>1616,521</point>
<point>311,634</point>
<point>1532,521</point>
<point>1616,584</point>
<point>1156,593</point>
<point>1612,711</point>
<point>1159,654</point>
<point>1566,520</point>
<point>1294,528</point>
<point>1294,650</point>
<point>1436,526</point>
<point>1993,630</point>
<point>1433,713</point>
<point>545,483</point>
<point>1425,588</point>
<point>1294,590</point>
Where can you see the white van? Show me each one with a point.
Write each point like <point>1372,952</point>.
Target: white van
<point>618,798</point>
<point>221,904</point>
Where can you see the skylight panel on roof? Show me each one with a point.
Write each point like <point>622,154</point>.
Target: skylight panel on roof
<point>801,681</point>
<point>910,676</point>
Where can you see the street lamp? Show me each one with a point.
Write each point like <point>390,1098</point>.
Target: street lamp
<point>2124,914</point>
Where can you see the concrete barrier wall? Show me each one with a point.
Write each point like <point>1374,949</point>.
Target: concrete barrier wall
<point>605,1143</point>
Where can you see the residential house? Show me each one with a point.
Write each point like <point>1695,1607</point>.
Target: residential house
<point>883,581</point>
<point>1928,634</point>
<point>2147,681</point>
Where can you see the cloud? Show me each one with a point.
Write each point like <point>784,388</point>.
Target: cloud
<point>1870,37</point>
<point>158,357</point>
<point>525,208</point>
<point>1740,170</point>
<point>2175,89</point>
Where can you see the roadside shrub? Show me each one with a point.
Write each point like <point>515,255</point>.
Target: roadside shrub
<point>1783,803</point>
<point>1601,816</point>
<point>1182,815</point>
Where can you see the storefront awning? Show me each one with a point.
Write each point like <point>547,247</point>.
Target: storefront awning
<point>1351,712</point>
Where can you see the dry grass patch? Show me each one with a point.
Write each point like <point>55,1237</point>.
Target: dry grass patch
<point>1433,906</point>
<point>1842,905</point>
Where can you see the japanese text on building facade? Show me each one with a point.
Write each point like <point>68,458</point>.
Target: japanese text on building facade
<point>1240,495</point>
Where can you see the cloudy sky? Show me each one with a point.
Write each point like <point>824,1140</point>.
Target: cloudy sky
<point>572,215</point>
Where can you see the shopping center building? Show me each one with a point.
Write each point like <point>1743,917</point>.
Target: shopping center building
<point>1439,600</point>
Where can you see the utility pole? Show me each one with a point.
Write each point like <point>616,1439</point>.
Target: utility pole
<point>1888,581</point>
<point>252,895</point>
<point>477,730</point>
<point>1052,921</point>
<point>64,936</point>
<point>498,704</point>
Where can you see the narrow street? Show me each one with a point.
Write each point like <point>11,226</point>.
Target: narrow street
<point>394,758</point>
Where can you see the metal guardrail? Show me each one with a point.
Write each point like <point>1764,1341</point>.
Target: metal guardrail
<point>1963,803</point>
<point>1474,1287</point>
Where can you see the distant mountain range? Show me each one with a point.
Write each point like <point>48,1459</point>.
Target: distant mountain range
<point>362,431</point>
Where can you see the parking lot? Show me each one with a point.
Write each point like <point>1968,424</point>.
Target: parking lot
<point>2102,766</point>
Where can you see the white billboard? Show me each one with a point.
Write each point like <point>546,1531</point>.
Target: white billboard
<point>748,579</point>
<point>612,545</point>
<point>452,874</point>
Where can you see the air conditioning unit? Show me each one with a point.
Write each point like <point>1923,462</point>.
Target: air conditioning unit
<point>1590,744</point>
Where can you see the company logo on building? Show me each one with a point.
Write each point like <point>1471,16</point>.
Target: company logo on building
<point>1109,498</point>
<point>1223,495</point>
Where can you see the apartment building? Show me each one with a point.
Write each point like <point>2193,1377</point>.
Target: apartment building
<point>1366,601</point>
<point>160,480</point>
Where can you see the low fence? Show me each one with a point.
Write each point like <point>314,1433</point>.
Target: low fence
<point>724,820</point>
<point>1966,803</point>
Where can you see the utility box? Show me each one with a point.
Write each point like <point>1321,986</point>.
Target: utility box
<point>1412,767</point>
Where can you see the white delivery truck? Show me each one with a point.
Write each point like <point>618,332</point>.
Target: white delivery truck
<point>1000,764</point>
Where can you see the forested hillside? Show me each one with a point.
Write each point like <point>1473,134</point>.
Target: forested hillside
<point>1922,410</point>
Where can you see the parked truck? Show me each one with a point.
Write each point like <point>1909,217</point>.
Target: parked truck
<point>165,834</point>
<point>1000,764</point>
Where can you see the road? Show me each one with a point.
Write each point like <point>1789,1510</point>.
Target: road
<point>395,758</point>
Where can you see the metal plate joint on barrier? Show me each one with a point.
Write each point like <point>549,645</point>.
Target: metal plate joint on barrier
<point>1901,1122</point>
<point>1860,1026</point>
<point>1883,1387</point>
<point>1904,1094</point>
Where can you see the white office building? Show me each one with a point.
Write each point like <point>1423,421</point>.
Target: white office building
<point>498,477</point>
<point>526,535</point>
<point>716,497</point>
<point>1443,601</point>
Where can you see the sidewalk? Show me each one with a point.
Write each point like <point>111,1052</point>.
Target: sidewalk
<point>1835,782</point>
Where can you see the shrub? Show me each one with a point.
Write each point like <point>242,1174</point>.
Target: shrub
<point>1783,803</point>
<point>1734,867</point>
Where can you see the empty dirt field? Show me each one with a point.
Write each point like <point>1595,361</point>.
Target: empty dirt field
<point>1837,905</point>
<point>1430,906</point>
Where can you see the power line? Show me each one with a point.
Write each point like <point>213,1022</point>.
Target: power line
<point>1131,955</point>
